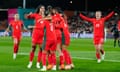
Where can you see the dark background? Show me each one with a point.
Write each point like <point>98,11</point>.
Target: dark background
<point>81,5</point>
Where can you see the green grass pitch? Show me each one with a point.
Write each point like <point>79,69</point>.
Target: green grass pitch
<point>81,50</point>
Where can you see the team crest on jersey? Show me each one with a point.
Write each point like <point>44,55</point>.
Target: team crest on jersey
<point>97,25</point>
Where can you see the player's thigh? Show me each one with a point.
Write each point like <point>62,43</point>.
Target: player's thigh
<point>37,39</point>
<point>15,39</point>
<point>53,45</point>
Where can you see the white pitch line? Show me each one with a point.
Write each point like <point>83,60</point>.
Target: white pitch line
<point>78,58</point>
<point>95,59</point>
<point>93,51</point>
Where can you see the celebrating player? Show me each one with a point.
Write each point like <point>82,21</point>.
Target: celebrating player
<point>49,43</point>
<point>65,43</point>
<point>58,20</point>
<point>49,46</point>
<point>37,34</point>
<point>98,27</point>
<point>17,26</point>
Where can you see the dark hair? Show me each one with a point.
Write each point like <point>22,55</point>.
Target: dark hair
<point>48,11</point>
<point>49,7</point>
<point>58,9</point>
<point>38,8</point>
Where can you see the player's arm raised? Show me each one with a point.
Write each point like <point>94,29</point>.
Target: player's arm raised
<point>85,17</point>
<point>30,15</point>
<point>109,15</point>
<point>114,11</point>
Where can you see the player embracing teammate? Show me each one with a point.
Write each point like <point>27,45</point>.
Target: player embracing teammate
<point>54,26</point>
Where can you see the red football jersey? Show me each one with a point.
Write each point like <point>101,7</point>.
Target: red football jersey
<point>50,31</point>
<point>98,25</point>
<point>39,23</point>
<point>56,20</point>
<point>16,26</point>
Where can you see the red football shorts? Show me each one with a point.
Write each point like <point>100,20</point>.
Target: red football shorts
<point>37,37</point>
<point>16,36</point>
<point>50,45</point>
<point>98,40</point>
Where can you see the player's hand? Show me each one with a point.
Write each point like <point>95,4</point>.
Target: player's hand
<point>26,15</point>
<point>5,33</point>
<point>25,30</point>
<point>116,14</point>
<point>30,13</point>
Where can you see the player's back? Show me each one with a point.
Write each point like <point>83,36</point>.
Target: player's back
<point>50,30</point>
<point>56,20</point>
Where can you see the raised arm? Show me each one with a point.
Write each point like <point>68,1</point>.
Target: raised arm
<point>30,15</point>
<point>109,15</point>
<point>85,18</point>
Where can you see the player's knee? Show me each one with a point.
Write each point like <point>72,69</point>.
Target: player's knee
<point>33,48</point>
<point>15,41</point>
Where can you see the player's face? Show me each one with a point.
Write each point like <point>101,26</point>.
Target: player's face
<point>16,16</point>
<point>98,15</point>
<point>42,9</point>
<point>53,11</point>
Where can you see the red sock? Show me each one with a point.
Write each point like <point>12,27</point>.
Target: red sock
<point>50,59</point>
<point>53,58</point>
<point>43,59</point>
<point>98,55</point>
<point>102,51</point>
<point>39,56</point>
<point>31,56</point>
<point>15,48</point>
<point>66,56</point>
<point>61,59</point>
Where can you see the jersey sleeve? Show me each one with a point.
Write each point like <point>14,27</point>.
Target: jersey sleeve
<point>109,15</point>
<point>31,15</point>
<point>85,18</point>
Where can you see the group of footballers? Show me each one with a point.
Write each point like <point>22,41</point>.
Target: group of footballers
<point>51,33</point>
